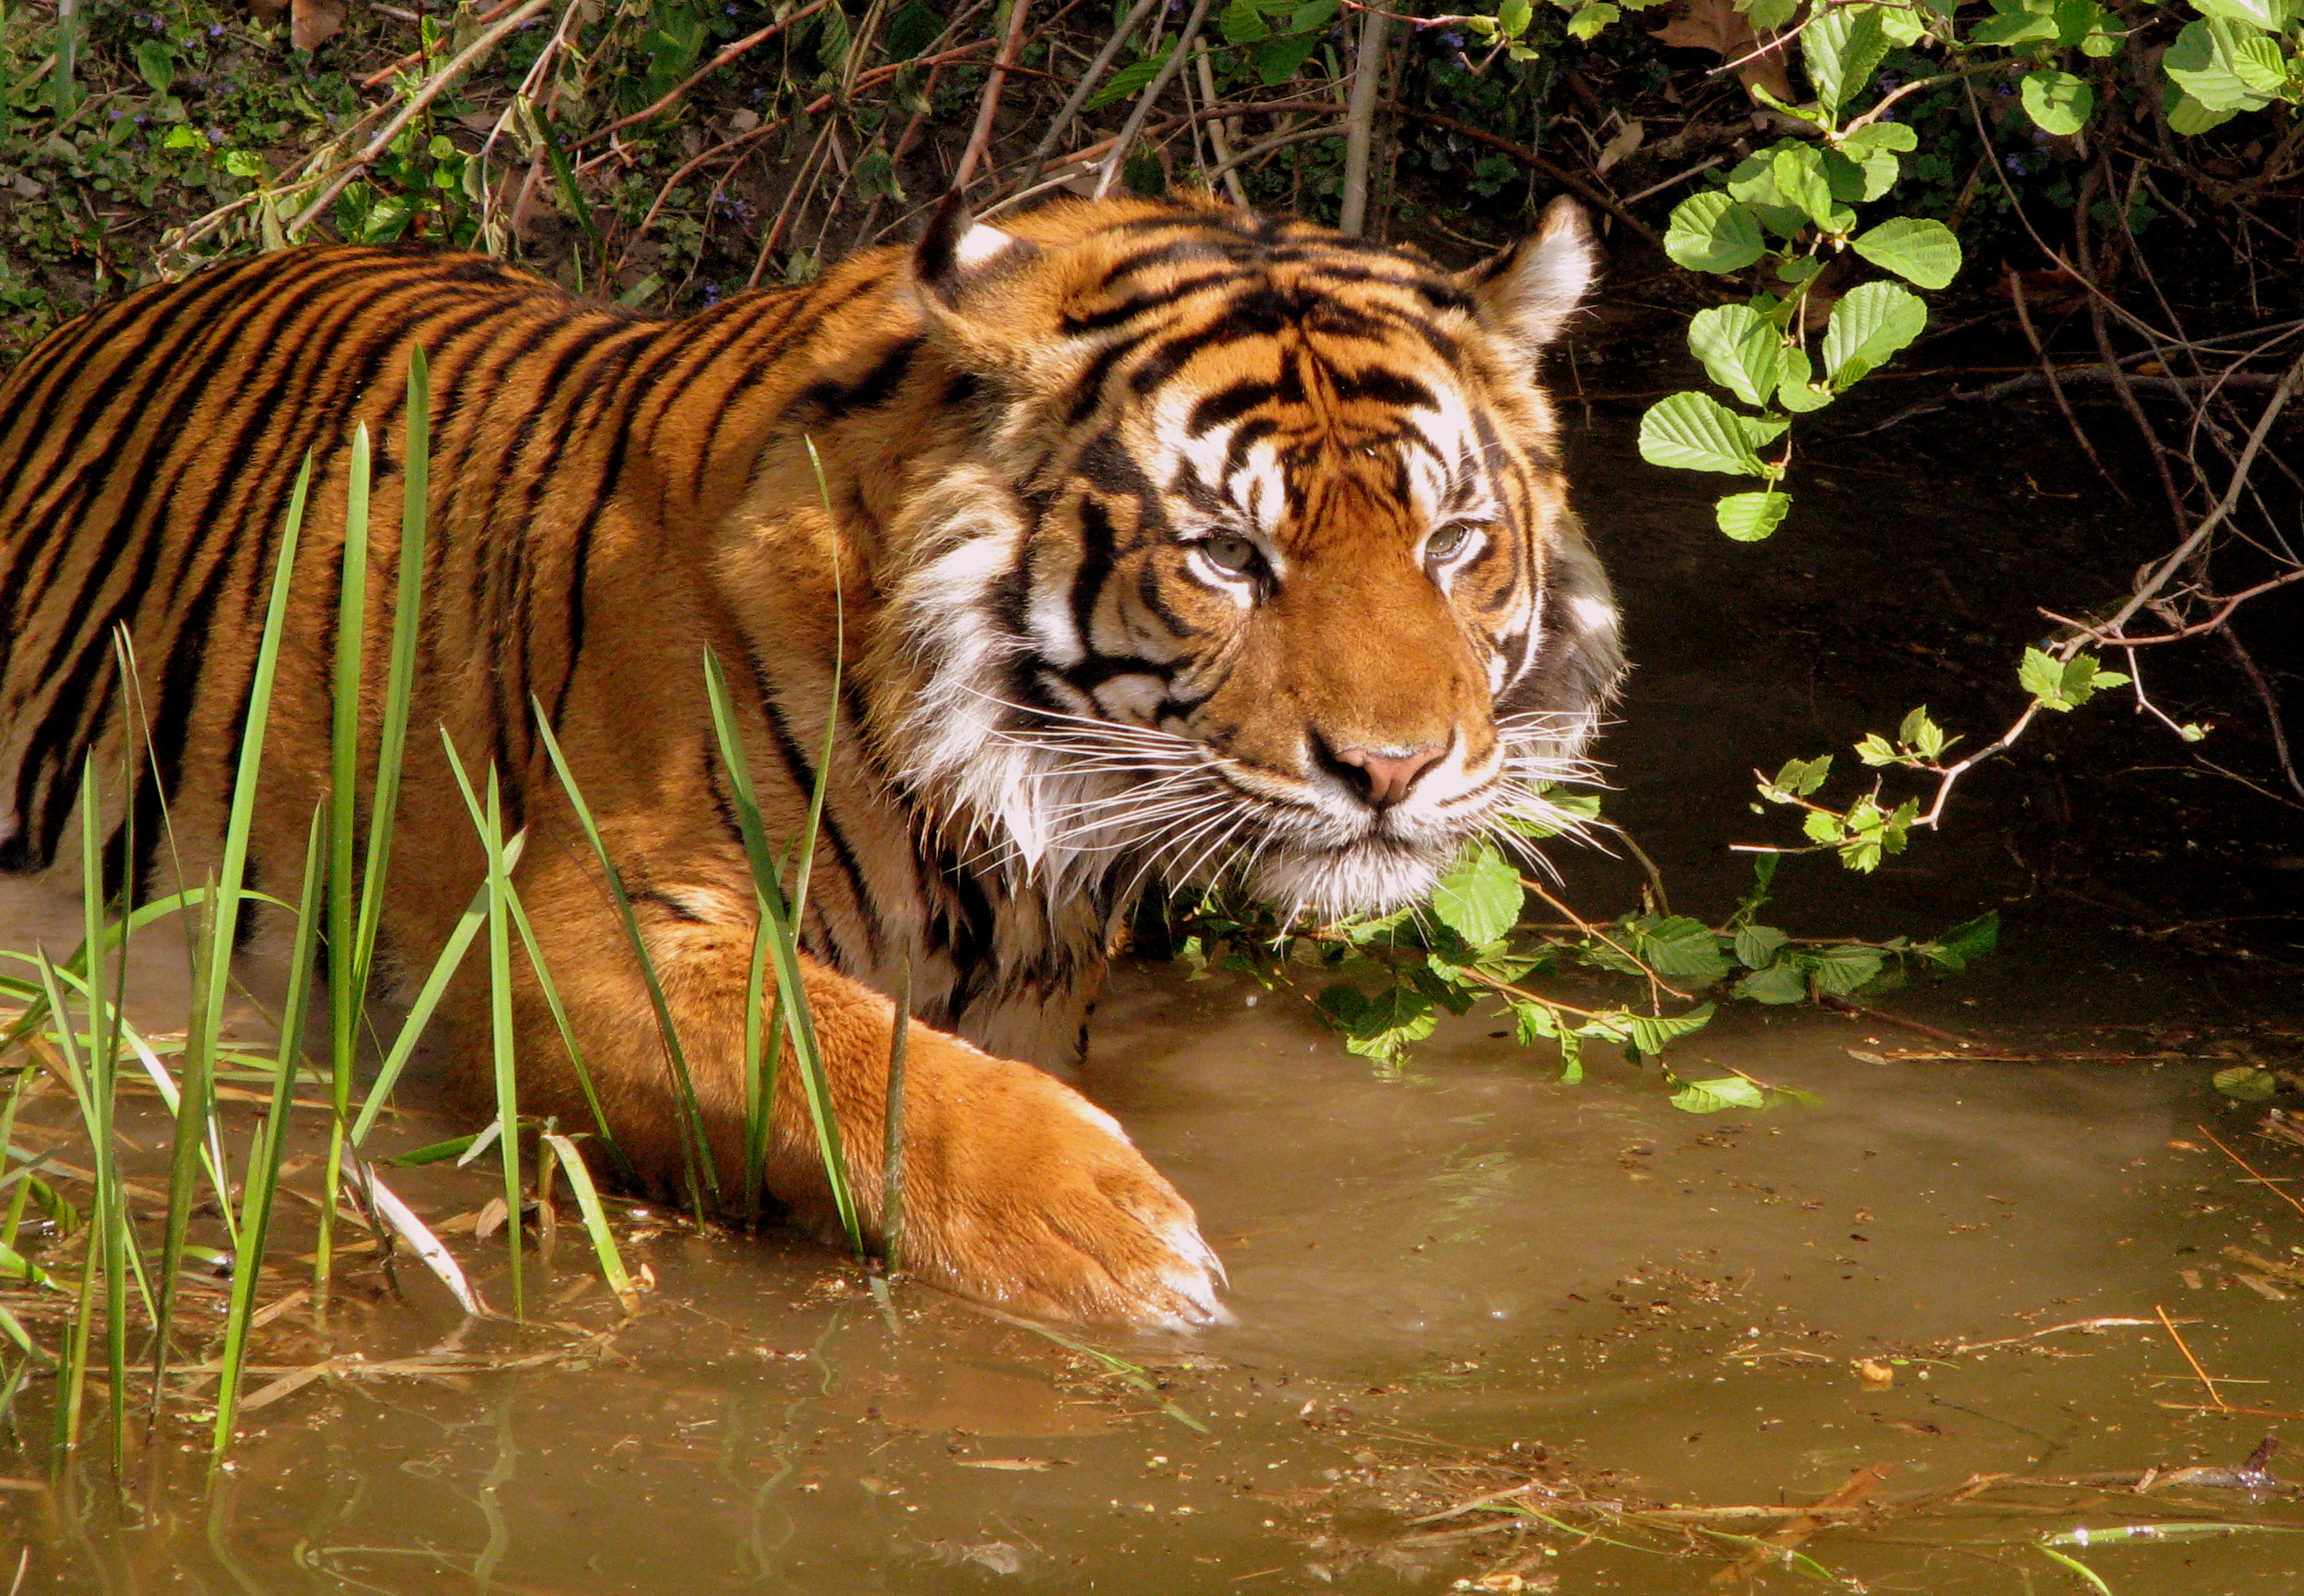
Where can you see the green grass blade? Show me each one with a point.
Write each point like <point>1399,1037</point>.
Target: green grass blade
<point>215,968</point>
<point>892,1164</point>
<point>701,1174</point>
<point>108,1203</point>
<point>2093,1580</point>
<point>346,987</point>
<point>763,1045</point>
<point>263,1179</point>
<point>71,1376</point>
<point>783,948</point>
<point>400,675</point>
<point>115,936</point>
<point>595,1217</point>
<point>499,1030</point>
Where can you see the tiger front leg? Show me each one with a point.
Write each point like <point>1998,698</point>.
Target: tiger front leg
<point>1017,1190</point>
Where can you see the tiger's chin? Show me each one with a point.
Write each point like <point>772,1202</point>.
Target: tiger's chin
<point>1373,875</point>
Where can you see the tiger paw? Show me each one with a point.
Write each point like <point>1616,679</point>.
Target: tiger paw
<point>1020,1193</point>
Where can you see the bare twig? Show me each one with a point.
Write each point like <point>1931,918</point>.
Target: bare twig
<point>1087,85</point>
<point>2015,282</point>
<point>989,106</point>
<point>1527,157</point>
<point>749,41</point>
<point>1112,162</point>
<point>2168,1324</point>
<point>471,56</point>
<point>2253,1173</point>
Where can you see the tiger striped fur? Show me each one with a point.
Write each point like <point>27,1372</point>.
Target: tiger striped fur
<point>1164,540</point>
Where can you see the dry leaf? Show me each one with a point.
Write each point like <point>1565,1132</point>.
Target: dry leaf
<point>1627,139</point>
<point>312,23</point>
<point>1874,1373</point>
<point>1021,1466</point>
<point>1717,26</point>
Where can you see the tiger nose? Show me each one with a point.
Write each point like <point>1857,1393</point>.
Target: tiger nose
<point>1389,776</point>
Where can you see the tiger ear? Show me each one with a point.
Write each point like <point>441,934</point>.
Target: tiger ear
<point>1527,292</point>
<point>961,267</point>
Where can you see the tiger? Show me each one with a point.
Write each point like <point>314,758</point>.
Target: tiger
<point>1146,540</point>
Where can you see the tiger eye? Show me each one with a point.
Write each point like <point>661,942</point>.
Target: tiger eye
<point>1229,552</point>
<point>1447,541</point>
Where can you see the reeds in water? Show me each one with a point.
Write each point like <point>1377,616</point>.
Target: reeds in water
<point>119,1258</point>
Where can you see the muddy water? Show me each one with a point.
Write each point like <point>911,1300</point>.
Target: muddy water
<point>1466,1280</point>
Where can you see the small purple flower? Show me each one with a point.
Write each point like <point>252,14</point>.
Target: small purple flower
<point>116,115</point>
<point>1452,40</point>
<point>215,135</point>
<point>216,29</point>
<point>2016,164</point>
<point>140,118</point>
<point>712,290</point>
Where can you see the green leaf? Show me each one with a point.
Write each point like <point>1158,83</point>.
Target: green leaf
<point>1479,899</point>
<point>2188,116</point>
<point>1903,24</point>
<point>1652,1034</point>
<point>156,64</point>
<point>1880,136</point>
<point>1679,949</point>
<point>2259,64</point>
<point>1766,14</point>
<point>1713,233</point>
<point>1782,982</point>
<point>1717,1096</point>
<point>2205,64</point>
<point>1747,518</point>
<point>1695,432</point>
<point>1821,825</point>
<point>1917,249</point>
<point>1797,389</point>
<point>1801,777</point>
<point>1869,325</point>
<point>1587,22</point>
<point>1840,971</point>
<point>1129,79</point>
<point>1242,24</point>
<point>1844,47</point>
<point>1756,946</point>
<point>1922,735</point>
<point>2269,15</point>
<point>1739,350</point>
<point>2058,101</point>
<point>2250,1083</point>
<point>1514,17</point>
<point>1799,176</point>
<point>1279,60</point>
<point>1963,944</point>
<point>2066,686</point>
<point>2014,28</point>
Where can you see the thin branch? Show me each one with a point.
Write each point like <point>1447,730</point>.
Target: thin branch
<point>2107,636</point>
<point>1169,68</point>
<point>471,56</point>
<point>1527,157</point>
<point>989,106</point>
<point>1359,124</point>
<point>1089,78</point>
<point>748,42</point>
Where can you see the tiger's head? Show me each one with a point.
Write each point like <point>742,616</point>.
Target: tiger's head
<point>1261,559</point>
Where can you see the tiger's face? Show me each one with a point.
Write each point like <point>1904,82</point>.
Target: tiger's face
<point>1290,587</point>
